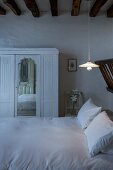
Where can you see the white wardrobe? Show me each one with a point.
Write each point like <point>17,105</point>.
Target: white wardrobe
<point>45,61</point>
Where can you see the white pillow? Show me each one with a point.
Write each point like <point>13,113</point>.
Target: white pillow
<point>27,97</point>
<point>99,133</point>
<point>87,113</point>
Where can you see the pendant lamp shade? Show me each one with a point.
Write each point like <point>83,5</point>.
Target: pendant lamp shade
<point>89,65</point>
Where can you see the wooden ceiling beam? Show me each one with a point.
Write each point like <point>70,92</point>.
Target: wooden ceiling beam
<point>54,7</point>
<point>2,11</point>
<point>33,7</point>
<point>96,7</point>
<point>110,11</point>
<point>13,6</point>
<point>75,7</point>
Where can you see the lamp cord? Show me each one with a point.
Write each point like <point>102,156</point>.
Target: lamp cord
<point>89,51</point>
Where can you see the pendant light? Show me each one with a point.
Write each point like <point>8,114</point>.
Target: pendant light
<point>89,65</point>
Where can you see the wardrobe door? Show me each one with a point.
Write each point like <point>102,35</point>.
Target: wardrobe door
<point>6,85</point>
<point>49,95</point>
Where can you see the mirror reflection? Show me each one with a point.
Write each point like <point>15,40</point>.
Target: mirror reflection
<point>26,102</point>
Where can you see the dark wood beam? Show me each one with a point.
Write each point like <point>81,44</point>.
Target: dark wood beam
<point>106,68</point>
<point>110,90</point>
<point>54,7</point>
<point>107,77</point>
<point>110,11</point>
<point>2,11</point>
<point>96,7</point>
<point>105,61</point>
<point>111,68</point>
<point>75,7</point>
<point>13,6</point>
<point>33,7</point>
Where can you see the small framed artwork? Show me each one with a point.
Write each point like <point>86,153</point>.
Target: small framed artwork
<point>72,65</point>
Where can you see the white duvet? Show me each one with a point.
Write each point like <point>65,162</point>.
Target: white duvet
<point>47,144</point>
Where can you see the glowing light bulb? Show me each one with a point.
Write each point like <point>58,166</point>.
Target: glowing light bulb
<point>89,68</point>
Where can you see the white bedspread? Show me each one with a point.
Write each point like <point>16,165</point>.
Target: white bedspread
<point>47,144</point>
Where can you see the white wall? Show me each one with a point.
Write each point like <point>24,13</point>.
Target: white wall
<point>69,35</point>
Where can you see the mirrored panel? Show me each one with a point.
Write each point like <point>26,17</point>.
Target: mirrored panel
<point>26,89</point>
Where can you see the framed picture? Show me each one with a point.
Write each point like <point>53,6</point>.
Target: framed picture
<point>72,65</point>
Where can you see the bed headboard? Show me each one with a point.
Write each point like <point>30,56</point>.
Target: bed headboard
<point>106,68</point>
<point>109,113</point>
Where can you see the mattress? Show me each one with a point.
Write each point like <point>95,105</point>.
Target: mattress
<point>47,144</point>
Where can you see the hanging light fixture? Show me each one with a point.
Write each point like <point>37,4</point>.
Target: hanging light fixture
<point>89,65</point>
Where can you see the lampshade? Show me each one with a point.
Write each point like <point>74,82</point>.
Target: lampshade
<point>89,65</point>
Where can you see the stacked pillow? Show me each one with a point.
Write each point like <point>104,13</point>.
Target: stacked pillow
<point>100,134</point>
<point>98,128</point>
<point>87,113</point>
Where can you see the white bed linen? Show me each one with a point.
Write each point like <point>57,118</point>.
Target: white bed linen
<point>47,144</point>
<point>27,97</point>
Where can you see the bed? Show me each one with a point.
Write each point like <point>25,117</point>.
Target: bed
<point>26,105</point>
<point>47,144</point>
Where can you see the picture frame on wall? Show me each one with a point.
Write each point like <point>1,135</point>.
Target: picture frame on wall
<point>72,65</point>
